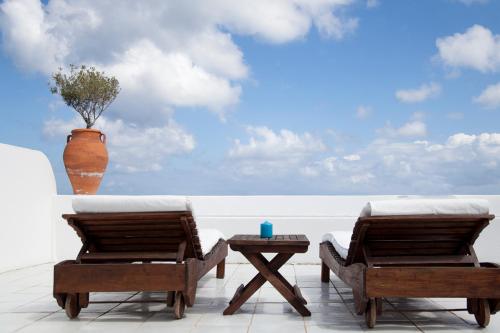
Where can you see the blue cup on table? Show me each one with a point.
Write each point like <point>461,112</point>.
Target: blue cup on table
<point>266,229</point>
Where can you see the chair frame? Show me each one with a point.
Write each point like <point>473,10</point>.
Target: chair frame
<point>140,251</point>
<point>416,256</point>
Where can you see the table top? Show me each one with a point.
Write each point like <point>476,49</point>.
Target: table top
<point>276,240</point>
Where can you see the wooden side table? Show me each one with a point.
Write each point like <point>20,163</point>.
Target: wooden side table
<point>252,247</point>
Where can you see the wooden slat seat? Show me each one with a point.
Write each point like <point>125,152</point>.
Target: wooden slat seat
<point>136,251</point>
<point>388,251</point>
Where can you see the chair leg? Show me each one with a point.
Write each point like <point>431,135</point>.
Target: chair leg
<point>325,272</point>
<point>371,313</point>
<point>378,302</point>
<point>170,298</point>
<point>221,269</point>
<point>179,305</point>
<point>83,300</point>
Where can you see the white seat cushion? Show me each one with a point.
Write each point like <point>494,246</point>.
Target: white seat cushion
<point>208,239</point>
<point>130,203</point>
<point>426,207</point>
<point>340,241</point>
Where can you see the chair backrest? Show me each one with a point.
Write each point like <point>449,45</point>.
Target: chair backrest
<point>136,235</point>
<point>416,239</point>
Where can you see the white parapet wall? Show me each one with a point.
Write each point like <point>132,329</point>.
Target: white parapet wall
<point>33,232</point>
<point>310,215</point>
<point>27,192</point>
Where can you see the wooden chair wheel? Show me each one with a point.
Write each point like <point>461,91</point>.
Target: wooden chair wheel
<point>371,313</point>
<point>179,305</point>
<point>72,306</point>
<point>482,312</point>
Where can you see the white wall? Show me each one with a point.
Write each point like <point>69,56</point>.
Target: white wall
<point>311,215</point>
<point>26,196</point>
<point>33,232</point>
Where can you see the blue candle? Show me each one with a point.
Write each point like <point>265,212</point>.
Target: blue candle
<point>266,230</point>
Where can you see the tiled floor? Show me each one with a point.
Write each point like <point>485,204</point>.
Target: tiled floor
<point>26,305</point>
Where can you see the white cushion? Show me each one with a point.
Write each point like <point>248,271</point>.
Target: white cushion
<point>208,239</point>
<point>130,203</point>
<point>426,207</point>
<point>340,241</point>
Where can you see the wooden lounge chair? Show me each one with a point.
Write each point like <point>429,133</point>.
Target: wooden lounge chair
<point>158,249</point>
<point>425,255</point>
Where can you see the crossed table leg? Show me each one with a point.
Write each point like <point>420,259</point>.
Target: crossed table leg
<point>268,271</point>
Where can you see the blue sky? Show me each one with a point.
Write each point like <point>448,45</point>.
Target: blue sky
<point>294,97</point>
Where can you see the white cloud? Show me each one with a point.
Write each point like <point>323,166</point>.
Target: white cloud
<point>472,2</point>
<point>132,148</point>
<point>363,112</point>
<point>268,151</point>
<point>352,157</point>
<point>478,48</point>
<point>27,36</point>
<point>185,85</point>
<point>416,127</point>
<point>328,24</point>
<point>167,55</point>
<point>362,178</point>
<point>413,128</point>
<point>265,143</point>
<point>490,97</point>
<point>464,163</point>
<point>460,139</point>
<point>484,139</point>
<point>372,3</point>
<point>42,37</point>
<point>420,94</point>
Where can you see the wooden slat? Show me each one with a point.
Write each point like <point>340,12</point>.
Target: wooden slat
<point>137,226</point>
<point>415,252</point>
<point>138,256</point>
<point>423,247</point>
<point>118,277</point>
<point>428,218</point>
<point>87,223</point>
<point>419,260</point>
<point>397,233</point>
<point>270,248</point>
<point>131,229</point>
<point>408,236</point>
<point>137,241</point>
<point>461,230</point>
<point>468,282</point>
<point>128,233</point>
<point>422,224</point>
<point>126,216</point>
<point>277,240</point>
<point>392,244</point>
<point>138,247</point>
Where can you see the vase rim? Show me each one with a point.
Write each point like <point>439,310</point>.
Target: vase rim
<point>76,130</point>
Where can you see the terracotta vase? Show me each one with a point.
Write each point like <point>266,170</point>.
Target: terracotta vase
<point>85,158</point>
